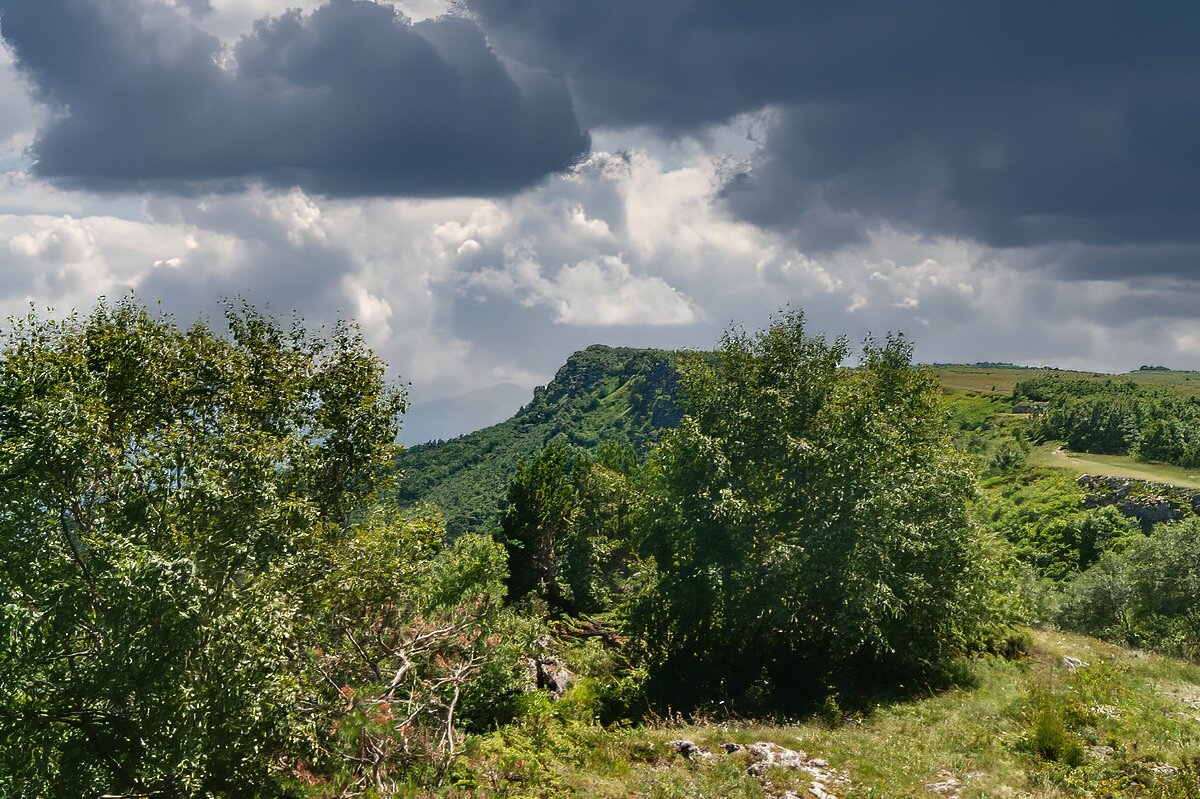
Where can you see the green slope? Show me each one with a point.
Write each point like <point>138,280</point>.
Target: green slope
<point>1001,379</point>
<point>600,394</point>
<point>1075,718</point>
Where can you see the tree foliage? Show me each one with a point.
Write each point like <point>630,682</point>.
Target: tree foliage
<point>806,519</point>
<point>567,525</point>
<point>1119,417</point>
<point>156,484</point>
<point>1146,594</point>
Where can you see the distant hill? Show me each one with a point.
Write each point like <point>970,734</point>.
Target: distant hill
<point>999,379</point>
<point>600,394</point>
<point>624,394</point>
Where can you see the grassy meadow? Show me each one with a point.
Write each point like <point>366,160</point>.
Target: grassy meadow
<point>1039,726</point>
<point>999,381</point>
<point>1052,454</point>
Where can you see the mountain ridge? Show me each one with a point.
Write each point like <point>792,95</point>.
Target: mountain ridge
<point>600,394</point>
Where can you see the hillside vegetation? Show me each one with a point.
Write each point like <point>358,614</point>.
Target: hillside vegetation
<point>746,573</point>
<point>613,394</point>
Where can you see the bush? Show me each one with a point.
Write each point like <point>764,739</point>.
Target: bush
<point>1147,595</point>
<point>806,520</point>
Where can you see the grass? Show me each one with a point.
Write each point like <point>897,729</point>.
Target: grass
<point>1122,714</point>
<point>1053,455</point>
<point>994,381</point>
<point>1000,381</point>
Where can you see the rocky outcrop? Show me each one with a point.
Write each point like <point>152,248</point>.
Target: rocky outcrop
<point>1149,503</point>
<point>554,676</point>
<point>765,756</point>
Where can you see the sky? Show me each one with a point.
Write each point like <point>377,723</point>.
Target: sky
<point>489,185</point>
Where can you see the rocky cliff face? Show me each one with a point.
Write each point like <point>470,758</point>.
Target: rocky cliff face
<point>1149,503</point>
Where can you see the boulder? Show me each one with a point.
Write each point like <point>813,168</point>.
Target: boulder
<point>554,676</point>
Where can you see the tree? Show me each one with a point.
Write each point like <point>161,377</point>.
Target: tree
<point>807,520</point>
<point>566,525</point>
<point>536,521</point>
<point>155,482</point>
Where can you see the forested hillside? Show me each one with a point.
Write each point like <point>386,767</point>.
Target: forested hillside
<point>663,577</point>
<point>601,394</point>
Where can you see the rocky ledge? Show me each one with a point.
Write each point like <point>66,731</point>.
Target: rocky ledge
<point>1149,503</point>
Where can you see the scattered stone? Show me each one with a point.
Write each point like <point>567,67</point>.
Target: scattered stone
<point>1074,664</point>
<point>689,750</point>
<point>766,755</point>
<point>948,785</point>
<point>769,755</point>
<point>1164,770</point>
<point>1100,752</point>
<point>818,791</point>
<point>1187,694</point>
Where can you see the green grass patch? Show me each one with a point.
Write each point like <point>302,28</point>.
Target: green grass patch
<point>1053,455</point>
<point>1036,727</point>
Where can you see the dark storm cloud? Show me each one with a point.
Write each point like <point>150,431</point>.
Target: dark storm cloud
<point>350,100</point>
<point>1016,124</point>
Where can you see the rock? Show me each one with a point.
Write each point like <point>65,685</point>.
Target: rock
<point>948,786</point>
<point>769,755</point>
<point>1108,711</point>
<point>818,791</point>
<point>689,750</point>
<point>1099,752</point>
<point>1150,504</point>
<point>554,677</point>
<point>730,748</point>
<point>1164,770</point>
<point>1073,664</point>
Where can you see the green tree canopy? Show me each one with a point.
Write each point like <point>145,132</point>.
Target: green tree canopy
<point>566,525</point>
<point>151,480</point>
<point>806,520</point>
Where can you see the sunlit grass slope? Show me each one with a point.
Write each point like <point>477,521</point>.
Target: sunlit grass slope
<point>1108,722</point>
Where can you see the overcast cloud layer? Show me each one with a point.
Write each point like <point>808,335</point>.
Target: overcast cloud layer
<point>350,99</point>
<point>488,191</point>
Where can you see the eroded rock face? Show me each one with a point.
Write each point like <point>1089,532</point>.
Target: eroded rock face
<point>1149,503</point>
